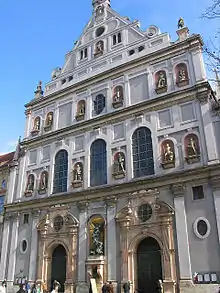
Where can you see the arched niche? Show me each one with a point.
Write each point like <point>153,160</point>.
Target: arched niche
<point>167,152</point>
<point>36,126</point>
<point>182,77</point>
<point>99,48</point>
<point>48,121</point>
<point>77,175</point>
<point>118,97</point>
<point>96,229</point>
<point>192,148</point>
<point>160,81</point>
<point>43,185</point>
<point>119,165</point>
<point>80,110</point>
<point>30,185</point>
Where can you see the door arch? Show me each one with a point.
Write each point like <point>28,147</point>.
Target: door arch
<point>149,268</point>
<point>58,266</point>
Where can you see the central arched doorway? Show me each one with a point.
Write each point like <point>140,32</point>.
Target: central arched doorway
<point>58,269</point>
<point>149,269</point>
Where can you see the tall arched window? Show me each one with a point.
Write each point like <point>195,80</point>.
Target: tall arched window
<point>143,161</point>
<point>98,163</point>
<point>60,172</point>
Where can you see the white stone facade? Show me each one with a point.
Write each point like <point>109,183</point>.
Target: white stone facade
<point>147,102</point>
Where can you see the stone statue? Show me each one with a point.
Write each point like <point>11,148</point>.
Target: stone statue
<point>30,184</point>
<point>119,163</point>
<point>99,47</point>
<point>78,172</point>
<point>192,147</point>
<point>168,153</point>
<point>118,95</point>
<point>39,92</point>
<point>99,10</point>
<point>44,181</point>
<point>37,124</point>
<point>81,110</point>
<point>96,238</point>
<point>182,74</point>
<point>161,80</point>
<point>49,121</point>
<point>181,23</point>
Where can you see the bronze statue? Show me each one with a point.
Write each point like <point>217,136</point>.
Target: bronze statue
<point>37,124</point>
<point>118,94</point>
<point>168,153</point>
<point>44,181</point>
<point>161,80</point>
<point>119,163</point>
<point>30,184</point>
<point>99,47</point>
<point>49,120</point>
<point>192,147</point>
<point>181,23</point>
<point>182,74</point>
<point>81,110</point>
<point>78,172</point>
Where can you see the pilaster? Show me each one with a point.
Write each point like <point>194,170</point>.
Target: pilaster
<point>5,246</point>
<point>34,239</point>
<point>178,191</point>
<point>209,130</point>
<point>13,248</point>
<point>11,185</point>
<point>215,182</point>
<point>82,241</point>
<point>111,239</point>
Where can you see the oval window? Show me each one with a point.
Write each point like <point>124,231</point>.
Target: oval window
<point>202,227</point>
<point>100,31</point>
<point>144,212</point>
<point>24,245</point>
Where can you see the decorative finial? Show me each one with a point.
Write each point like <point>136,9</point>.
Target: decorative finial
<point>39,92</point>
<point>181,23</point>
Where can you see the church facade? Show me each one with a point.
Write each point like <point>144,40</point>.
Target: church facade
<point>119,174</point>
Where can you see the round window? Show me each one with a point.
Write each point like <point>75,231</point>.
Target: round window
<point>24,245</point>
<point>100,31</point>
<point>144,212</point>
<point>58,223</point>
<point>202,228</point>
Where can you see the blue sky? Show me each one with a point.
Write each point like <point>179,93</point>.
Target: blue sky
<point>36,35</point>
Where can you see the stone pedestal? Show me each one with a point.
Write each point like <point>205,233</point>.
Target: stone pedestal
<point>69,287</point>
<point>183,33</point>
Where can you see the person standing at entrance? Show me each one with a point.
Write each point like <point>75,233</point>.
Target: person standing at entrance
<point>126,287</point>
<point>105,288</point>
<point>21,289</point>
<point>110,287</point>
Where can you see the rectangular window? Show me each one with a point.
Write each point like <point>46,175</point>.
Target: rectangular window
<point>2,201</point>
<point>46,153</point>
<point>33,157</point>
<point>79,143</point>
<point>187,112</point>
<point>164,119</point>
<point>65,115</point>
<point>26,218</point>
<point>198,192</point>
<point>119,131</point>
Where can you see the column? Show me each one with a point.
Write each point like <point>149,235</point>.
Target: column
<point>22,177</point>
<point>182,233</point>
<point>82,242</point>
<point>209,130</point>
<point>111,240</point>
<point>216,195</point>
<point>13,248</point>
<point>34,245</point>
<point>5,246</point>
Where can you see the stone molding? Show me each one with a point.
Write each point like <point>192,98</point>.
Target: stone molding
<point>215,182</point>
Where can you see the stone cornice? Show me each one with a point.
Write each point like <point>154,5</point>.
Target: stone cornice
<point>120,190</point>
<point>175,49</point>
<point>158,103</point>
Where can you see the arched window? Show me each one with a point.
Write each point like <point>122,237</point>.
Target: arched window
<point>60,172</point>
<point>114,40</point>
<point>143,161</point>
<point>119,37</point>
<point>98,163</point>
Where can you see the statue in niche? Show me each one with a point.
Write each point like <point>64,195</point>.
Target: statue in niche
<point>168,153</point>
<point>78,172</point>
<point>99,47</point>
<point>161,83</point>
<point>182,74</point>
<point>119,165</point>
<point>99,10</point>
<point>49,120</point>
<point>180,23</point>
<point>43,181</point>
<point>192,148</point>
<point>30,184</point>
<point>81,108</point>
<point>37,124</point>
<point>98,246</point>
<point>118,94</point>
